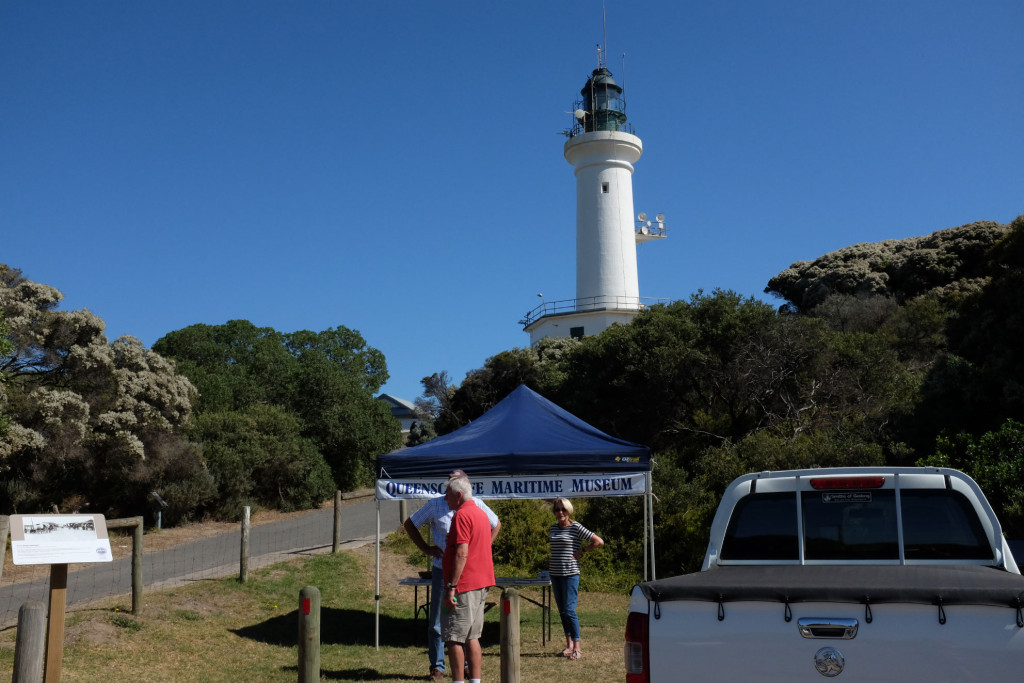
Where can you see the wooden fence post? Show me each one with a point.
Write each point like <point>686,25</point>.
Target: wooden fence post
<point>137,568</point>
<point>309,635</point>
<point>30,643</point>
<point>509,623</point>
<point>336,544</point>
<point>5,530</point>
<point>135,524</point>
<point>243,562</point>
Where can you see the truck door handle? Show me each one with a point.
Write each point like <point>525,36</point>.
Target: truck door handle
<point>816,627</point>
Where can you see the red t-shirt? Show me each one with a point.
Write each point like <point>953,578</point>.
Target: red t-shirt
<point>470,526</point>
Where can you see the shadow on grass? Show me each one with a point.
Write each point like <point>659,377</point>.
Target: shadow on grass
<point>338,627</point>
<point>351,627</point>
<point>364,674</point>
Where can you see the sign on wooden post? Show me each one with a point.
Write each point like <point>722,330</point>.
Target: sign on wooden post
<point>58,540</point>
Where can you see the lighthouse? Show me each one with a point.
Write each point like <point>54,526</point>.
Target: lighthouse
<point>602,149</point>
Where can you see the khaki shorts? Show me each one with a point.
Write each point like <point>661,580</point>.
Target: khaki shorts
<point>466,621</point>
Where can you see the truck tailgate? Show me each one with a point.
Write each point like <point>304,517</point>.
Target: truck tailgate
<point>902,642</point>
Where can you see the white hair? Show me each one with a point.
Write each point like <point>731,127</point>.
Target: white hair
<point>461,485</point>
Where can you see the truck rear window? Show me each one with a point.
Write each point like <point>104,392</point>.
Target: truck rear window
<point>938,524</point>
<point>942,525</point>
<point>763,527</point>
<point>850,525</point>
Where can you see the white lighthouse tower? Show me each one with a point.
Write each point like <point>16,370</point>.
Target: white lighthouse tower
<point>602,149</point>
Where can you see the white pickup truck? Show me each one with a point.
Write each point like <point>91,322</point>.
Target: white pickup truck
<point>881,574</point>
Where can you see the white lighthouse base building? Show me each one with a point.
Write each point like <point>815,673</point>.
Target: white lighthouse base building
<point>578,324</point>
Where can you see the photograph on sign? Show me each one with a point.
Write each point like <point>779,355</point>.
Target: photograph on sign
<point>59,539</point>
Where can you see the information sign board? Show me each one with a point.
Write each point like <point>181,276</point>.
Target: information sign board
<point>59,539</point>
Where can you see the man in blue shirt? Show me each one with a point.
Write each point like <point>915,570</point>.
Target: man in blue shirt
<point>437,513</point>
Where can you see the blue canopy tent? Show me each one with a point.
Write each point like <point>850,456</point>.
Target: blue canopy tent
<point>524,447</point>
<point>524,434</point>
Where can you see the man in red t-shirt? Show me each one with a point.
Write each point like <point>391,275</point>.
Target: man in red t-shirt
<point>468,572</point>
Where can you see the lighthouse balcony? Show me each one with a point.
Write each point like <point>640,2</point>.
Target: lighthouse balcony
<point>592,304</point>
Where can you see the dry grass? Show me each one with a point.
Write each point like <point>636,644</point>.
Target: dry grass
<point>221,631</point>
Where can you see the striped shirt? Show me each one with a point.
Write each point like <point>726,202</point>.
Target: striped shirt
<point>565,542</point>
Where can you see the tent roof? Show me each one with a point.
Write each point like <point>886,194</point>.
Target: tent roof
<point>523,434</point>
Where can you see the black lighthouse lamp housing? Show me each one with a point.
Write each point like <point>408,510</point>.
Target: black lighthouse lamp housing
<point>603,106</point>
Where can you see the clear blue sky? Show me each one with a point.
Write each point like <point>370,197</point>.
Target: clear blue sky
<point>396,167</point>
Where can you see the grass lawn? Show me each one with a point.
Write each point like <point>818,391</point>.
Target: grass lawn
<point>221,631</point>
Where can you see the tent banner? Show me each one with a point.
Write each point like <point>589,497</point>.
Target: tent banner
<point>590,484</point>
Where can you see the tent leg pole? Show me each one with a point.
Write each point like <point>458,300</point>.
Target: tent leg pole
<point>647,532</point>
<point>376,592</point>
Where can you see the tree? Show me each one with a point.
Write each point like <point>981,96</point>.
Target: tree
<point>996,461</point>
<point>947,262</point>
<point>420,432</point>
<point>326,380</point>
<point>345,349</point>
<point>234,365</point>
<point>349,426</point>
<point>85,415</point>
<point>541,368</point>
<point>437,396</point>
<point>257,456</point>
<point>6,348</point>
<point>977,383</point>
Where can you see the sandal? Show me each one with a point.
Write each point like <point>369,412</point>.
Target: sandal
<point>576,654</point>
<point>566,652</point>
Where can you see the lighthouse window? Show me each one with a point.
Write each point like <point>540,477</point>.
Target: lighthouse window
<point>608,99</point>
<point>604,188</point>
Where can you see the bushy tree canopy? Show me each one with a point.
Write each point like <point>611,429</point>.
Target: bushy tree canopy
<point>947,262</point>
<point>90,420</point>
<point>88,424</point>
<point>716,386</point>
<point>324,380</point>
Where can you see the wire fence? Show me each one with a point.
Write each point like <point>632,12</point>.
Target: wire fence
<point>216,554</point>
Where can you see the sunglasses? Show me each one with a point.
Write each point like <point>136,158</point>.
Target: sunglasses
<point>559,509</point>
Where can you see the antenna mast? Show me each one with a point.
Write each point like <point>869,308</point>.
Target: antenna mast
<point>604,26</point>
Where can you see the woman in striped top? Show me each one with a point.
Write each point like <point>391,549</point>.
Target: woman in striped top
<point>568,540</point>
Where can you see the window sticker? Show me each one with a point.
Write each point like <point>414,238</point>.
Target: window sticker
<point>846,497</point>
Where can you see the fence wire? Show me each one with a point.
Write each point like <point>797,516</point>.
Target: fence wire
<point>205,558</point>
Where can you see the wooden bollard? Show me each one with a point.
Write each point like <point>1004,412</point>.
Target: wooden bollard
<point>336,541</point>
<point>243,560</point>
<point>31,643</point>
<point>309,635</point>
<point>509,635</point>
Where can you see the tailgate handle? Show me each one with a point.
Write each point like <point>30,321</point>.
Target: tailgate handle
<point>815,627</point>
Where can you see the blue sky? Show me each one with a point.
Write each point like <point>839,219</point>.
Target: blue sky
<point>396,167</point>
